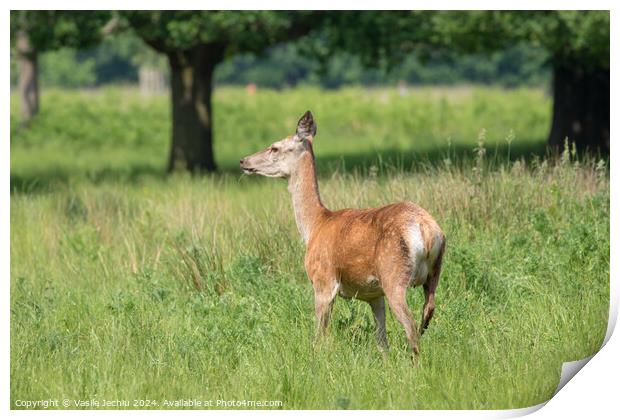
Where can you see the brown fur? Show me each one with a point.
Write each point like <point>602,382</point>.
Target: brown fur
<point>363,254</point>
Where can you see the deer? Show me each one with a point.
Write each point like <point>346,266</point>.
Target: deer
<point>365,254</point>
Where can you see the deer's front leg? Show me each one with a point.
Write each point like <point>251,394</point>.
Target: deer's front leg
<point>325,290</point>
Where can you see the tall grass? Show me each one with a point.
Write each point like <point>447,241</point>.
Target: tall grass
<point>186,287</point>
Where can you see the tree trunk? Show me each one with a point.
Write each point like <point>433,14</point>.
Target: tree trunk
<point>580,108</point>
<point>28,77</point>
<point>192,122</point>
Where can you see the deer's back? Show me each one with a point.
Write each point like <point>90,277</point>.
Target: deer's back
<point>357,246</point>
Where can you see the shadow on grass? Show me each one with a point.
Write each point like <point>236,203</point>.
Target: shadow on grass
<point>413,161</point>
<point>408,161</point>
<point>46,180</point>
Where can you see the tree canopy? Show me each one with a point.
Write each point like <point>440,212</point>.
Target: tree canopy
<point>568,35</point>
<point>236,31</point>
<point>53,29</point>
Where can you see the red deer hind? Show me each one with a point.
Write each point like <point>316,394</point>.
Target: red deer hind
<point>363,254</point>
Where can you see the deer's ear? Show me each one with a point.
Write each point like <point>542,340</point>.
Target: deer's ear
<point>306,126</point>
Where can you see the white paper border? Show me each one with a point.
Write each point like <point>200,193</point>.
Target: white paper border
<point>596,384</point>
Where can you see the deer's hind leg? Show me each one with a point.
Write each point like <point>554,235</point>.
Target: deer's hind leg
<point>397,299</point>
<point>429,292</point>
<point>429,305</point>
<point>396,280</point>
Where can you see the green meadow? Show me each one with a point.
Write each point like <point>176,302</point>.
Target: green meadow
<point>130,284</point>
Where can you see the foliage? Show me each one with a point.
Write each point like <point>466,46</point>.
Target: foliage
<point>570,37</point>
<point>279,67</point>
<point>62,68</point>
<point>286,66</point>
<point>118,58</point>
<point>235,31</point>
<point>573,37</point>
<point>128,287</point>
<point>53,29</point>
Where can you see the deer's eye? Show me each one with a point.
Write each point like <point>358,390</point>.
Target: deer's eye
<point>274,149</point>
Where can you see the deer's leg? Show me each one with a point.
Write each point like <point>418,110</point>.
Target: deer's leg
<point>397,299</point>
<point>378,310</point>
<point>324,294</point>
<point>429,306</point>
<point>429,293</point>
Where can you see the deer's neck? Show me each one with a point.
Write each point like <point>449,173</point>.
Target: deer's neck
<point>302,184</point>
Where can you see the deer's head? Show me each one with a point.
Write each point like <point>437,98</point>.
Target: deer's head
<point>280,159</point>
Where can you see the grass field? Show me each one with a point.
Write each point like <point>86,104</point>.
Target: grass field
<point>126,284</point>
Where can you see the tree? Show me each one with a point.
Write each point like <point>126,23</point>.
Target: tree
<point>194,42</point>
<point>577,43</point>
<point>33,32</point>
